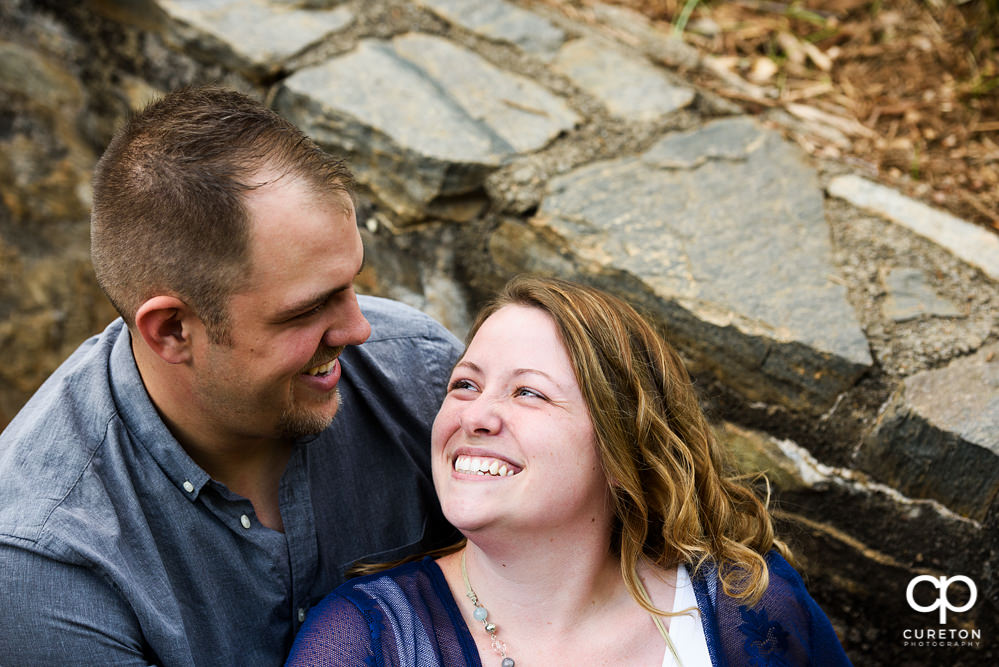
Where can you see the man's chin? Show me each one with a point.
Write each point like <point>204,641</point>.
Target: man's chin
<point>299,422</point>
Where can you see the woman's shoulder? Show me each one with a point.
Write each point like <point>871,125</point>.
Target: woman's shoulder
<point>348,625</point>
<point>405,577</point>
<point>785,622</point>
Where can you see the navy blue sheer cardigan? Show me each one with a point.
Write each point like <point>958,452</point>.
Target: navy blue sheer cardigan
<point>407,617</point>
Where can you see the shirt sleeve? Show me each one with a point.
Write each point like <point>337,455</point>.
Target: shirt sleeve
<point>786,627</point>
<point>337,632</point>
<point>54,613</point>
<point>824,647</point>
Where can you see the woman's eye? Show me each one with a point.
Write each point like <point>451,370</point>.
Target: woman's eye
<point>460,384</point>
<point>530,393</point>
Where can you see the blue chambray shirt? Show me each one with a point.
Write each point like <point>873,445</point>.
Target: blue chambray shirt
<point>116,548</point>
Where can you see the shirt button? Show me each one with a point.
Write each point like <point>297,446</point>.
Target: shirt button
<point>301,615</point>
<point>245,520</point>
<point>188,486</point>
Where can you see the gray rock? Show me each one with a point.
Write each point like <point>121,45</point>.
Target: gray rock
<point>503,22</point>
<point>732,247</point>
<point>970,243</point>
<point>660,45</point>
<point>630,87</point>
<point>252,36</point>
<point>49,299</point>
<point>414,267</point>
<point>423,118</point>
<point>910,296</point>
<point>938,437</point>
<point>732,139</point>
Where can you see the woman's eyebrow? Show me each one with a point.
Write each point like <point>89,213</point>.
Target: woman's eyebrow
<point>472,366</point>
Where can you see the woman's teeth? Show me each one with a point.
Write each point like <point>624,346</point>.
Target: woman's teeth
<point>321,369</point>
<point>477,465</point>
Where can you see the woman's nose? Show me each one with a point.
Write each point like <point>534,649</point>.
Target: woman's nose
<point>481,417</point>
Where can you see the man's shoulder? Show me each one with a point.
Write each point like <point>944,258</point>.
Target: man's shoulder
<point>49,444</point>
<point>393,320</point>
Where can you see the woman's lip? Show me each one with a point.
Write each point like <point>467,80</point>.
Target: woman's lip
<point>481,464</point>
<point>483,454</point>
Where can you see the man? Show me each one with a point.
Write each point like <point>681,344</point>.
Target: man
<point>188,483</point>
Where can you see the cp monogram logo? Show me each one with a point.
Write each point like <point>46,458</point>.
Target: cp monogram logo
<point>942,603</point>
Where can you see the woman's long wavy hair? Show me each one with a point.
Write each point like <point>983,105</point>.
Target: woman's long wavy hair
<point>674,498</point>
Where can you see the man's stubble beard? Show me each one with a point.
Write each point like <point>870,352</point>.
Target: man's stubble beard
<point>296,422</point>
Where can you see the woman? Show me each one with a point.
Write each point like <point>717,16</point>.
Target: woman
<point>601,529</point>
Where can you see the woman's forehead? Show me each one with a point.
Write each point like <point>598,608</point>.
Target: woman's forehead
<point>521,335</point>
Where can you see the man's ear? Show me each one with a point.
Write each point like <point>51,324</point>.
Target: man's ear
<point>165,324</point>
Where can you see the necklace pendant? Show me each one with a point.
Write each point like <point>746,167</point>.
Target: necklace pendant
<point>480,614</point>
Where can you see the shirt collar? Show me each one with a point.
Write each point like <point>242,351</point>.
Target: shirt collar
<point>143,422</point>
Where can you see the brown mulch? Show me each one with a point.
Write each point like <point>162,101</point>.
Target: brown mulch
<point>906,91</point>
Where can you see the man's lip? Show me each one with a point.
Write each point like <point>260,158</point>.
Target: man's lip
<point>319,368</point>
<point>323,383</point>
<point>331,359</point>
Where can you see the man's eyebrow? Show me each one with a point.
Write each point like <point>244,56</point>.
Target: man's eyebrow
<point>309,303</point>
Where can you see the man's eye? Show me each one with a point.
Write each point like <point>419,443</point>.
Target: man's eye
<point>309,313</point>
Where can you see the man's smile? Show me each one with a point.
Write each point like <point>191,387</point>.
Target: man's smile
<point>322,369</point>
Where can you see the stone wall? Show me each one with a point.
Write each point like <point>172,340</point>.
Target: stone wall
<point>844,338</point>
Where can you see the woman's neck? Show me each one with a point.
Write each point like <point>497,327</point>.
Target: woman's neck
<point>552,599</point>
<point>543,586</point>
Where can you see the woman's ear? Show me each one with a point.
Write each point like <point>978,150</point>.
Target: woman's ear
<point>165,323</point>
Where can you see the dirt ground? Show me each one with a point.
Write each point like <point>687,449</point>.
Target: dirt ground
<point>905,91</point>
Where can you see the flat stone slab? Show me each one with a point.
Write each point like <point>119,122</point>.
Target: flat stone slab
<point>501,21</point>
<point>630,87</point>
<point>254,36</point>
<point>910,296</point>
<point>938,437</point>
<point>723,229</point>
<point>421,117</point>
<point>974,245</point>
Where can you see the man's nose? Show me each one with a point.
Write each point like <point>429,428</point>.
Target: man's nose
<point>350,327</point>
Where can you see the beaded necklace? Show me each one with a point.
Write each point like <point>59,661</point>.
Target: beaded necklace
<point>480,614</point>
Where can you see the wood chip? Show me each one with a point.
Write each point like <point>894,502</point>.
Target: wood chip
<point>763,70</point>
<point>818,58</point>
<point>792,47</point>
<point>847,126</point>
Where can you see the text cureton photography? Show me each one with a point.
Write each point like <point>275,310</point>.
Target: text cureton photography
<point>942,636</point>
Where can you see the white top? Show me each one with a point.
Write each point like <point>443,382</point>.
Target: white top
<point>686,631</point>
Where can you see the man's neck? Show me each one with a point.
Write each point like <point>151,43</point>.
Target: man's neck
<point>251,468</point>
<point>254,473</point>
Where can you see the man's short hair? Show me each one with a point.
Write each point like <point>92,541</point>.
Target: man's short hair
<point>169,214</point>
